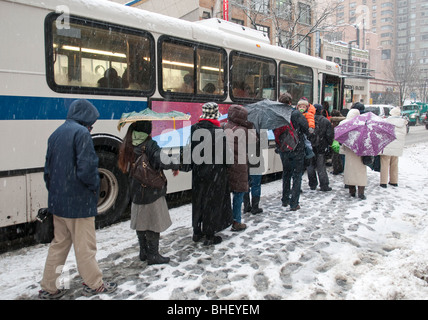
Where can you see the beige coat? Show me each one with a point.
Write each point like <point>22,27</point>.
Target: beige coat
<point>355,172</point>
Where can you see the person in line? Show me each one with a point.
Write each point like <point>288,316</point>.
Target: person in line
<point>292,161</point>
<point>256,169</point>
<point>355,172</point>
<point>72,179</point>
<point>321,139</point>
<point>211,204</point>
<point>337,160</point>
<point>149,210</point>
<point>308,110</point>
<point>391,153</point>
<point>237,134</point>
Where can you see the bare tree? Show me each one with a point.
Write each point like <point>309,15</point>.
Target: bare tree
<point>405,73</point>
<point>293,21</point>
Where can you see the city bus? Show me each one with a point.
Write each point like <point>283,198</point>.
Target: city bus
<point>124,59</point>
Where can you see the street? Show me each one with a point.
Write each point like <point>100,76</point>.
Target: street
<point>416,134</point>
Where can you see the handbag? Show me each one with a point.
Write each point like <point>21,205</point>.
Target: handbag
<point>44,226</point>
<point>367,160</point>
<point>146,174</point>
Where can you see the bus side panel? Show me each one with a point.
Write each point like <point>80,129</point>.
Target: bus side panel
<point>13,202</point>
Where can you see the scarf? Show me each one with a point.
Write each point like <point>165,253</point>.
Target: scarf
<point>138,137</point>
<point>213,121</point>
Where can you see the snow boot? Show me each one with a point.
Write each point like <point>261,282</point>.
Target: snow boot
<point>255,205</point>
<point>143,244</point>
<point>361,193</point>
<point>212,239</point>
<point>247,205</point>
<point>153,256</point>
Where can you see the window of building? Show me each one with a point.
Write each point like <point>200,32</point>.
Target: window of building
<point>386,54</point>
<point>261,6</point>
<point>284,9</point>
<point>305,15</point>
<point>305,45</point>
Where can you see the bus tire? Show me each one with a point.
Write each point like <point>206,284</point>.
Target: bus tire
<point>113,198</point>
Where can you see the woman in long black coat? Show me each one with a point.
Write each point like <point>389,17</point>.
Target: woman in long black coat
<point>211,205</point>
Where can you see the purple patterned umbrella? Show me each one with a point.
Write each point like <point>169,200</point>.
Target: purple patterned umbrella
<point>366,134</point>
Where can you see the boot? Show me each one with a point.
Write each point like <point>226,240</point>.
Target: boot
<point>255,205</point>
<point>247,205</point>
<point>153,256</point>
<point>352,190</point>
<point>143,244</point>
<point>361,193</point>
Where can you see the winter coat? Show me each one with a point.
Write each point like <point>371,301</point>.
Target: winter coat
<point>355,172</point>
<point>211,204</point>
<point>323,135</point>
<point>237,133</point>
<point>146,195</point>
<point>395,148</point>
<point>71,167</point>
<point>310,116</point>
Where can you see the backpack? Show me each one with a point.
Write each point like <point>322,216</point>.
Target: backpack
<point>145,173</point>
<point>286,138</point>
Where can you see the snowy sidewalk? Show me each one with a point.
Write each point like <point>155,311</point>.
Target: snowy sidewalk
<point>334,247</point>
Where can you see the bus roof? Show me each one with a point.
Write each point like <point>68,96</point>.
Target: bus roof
<point>228,35</point>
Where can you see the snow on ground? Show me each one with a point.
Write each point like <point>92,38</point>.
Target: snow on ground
<point>335,247</point>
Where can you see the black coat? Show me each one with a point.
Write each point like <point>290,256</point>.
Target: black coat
<point>146,195</point>
<point>323,135</point>
<point>211,204</point>
<point>300,124</point>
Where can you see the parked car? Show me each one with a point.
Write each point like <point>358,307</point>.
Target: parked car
<point>381,110</point>
<point>425,121</point>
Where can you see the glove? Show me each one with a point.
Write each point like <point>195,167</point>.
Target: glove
<point>335,146</point>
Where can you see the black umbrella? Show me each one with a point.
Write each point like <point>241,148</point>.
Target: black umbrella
<point>268,114</point>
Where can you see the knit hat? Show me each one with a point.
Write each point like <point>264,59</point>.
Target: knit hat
<point>302,101</point>
<point>210,111</point>
<point>396,112</point>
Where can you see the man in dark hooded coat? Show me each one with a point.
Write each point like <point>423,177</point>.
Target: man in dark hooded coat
<point>211,205</point>
<point>72,179</point>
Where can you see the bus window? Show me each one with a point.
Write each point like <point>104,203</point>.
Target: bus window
<point>210,72</point>
<point>182,77</point>
<point>296,80</point>
<point>89,55</point>
<point>177,68</point>
<point>252,77</point>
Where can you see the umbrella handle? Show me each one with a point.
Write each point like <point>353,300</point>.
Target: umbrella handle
<point>173,119</point>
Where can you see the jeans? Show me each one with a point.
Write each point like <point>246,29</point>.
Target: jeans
<point>238,198</point>
<point>292,168</point>
<point>255,182</point>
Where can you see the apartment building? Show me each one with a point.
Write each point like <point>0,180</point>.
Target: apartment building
<point>394,31</point>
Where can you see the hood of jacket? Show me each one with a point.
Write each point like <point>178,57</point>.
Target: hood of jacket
<point>238,115</point>
<point>396,121</point>
<point>83,112</point>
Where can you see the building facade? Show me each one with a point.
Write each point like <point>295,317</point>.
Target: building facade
<point>396,34</point>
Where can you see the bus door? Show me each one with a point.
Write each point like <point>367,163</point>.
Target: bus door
<point>332,91</point>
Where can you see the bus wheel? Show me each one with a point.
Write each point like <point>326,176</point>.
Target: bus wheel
<point>114,194</point>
